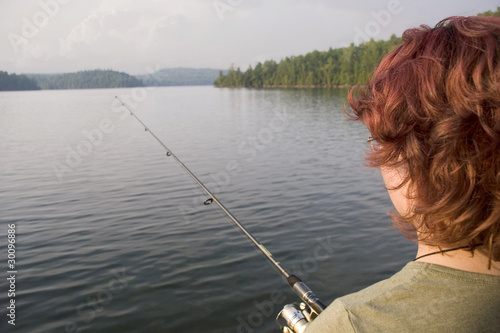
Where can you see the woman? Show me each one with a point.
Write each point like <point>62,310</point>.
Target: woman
<point>433,110</point>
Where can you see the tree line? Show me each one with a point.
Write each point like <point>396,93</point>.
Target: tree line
<point>10,82</point>
<point>335,67</point>
<point>92,79</point>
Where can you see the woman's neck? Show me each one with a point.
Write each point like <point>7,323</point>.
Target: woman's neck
<point>459,259</point>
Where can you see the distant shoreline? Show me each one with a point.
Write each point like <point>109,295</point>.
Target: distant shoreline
<point>107,79</point>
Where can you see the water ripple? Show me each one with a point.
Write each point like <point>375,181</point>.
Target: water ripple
<point>121,240</point>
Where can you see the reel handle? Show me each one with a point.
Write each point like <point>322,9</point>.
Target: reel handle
<point>295,320</point>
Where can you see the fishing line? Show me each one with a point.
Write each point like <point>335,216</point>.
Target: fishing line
<point>300,288</point>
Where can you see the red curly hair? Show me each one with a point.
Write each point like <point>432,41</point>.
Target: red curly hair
<point>433,108</point>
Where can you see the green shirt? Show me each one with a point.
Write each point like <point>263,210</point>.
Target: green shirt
<point>421,297</point>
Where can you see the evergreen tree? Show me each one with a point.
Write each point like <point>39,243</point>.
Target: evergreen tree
<point>257,76</point>
<point>248,77</point>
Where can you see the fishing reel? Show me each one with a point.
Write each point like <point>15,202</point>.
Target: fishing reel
<point>295,320</point>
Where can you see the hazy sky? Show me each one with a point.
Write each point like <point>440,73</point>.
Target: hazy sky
<point>46,36</point>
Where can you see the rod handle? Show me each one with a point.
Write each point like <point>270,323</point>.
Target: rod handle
<point>306,294</point>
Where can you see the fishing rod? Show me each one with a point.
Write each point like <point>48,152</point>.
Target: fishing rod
<point>297,320</point>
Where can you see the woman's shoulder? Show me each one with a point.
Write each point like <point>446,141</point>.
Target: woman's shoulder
<point>421,295</point>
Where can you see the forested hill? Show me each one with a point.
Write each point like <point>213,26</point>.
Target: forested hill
<point>180,77</point>
<point>335,67</point>
<point>16,82</point>
<point>86,80</point>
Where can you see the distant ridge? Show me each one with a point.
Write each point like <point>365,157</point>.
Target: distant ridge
<point>180,76</point>
<point>93,79</point>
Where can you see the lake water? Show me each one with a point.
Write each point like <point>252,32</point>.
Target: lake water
<point>112,235</point>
